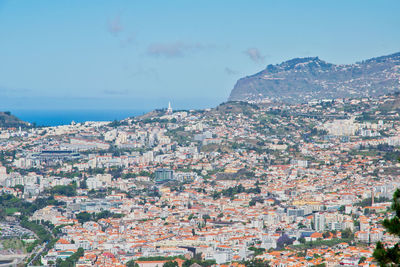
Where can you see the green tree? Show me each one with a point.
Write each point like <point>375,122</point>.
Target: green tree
<point>132,263</point>
<point>205,263</point>
<point>256,263</point>
<point>302,240</point>
<point>362,259</point>
<point>257,251</point>
<point>346,233</point>
<point>390,256</point>
<point>83,217</point>
<point>206,217</point>
<point>71,260</point>
<point>64,190</point>
<point>342,208</point>
<point>19,187</point>
<point>171,264</point>
<point>83,184</point>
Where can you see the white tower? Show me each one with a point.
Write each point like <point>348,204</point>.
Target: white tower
<point>169,110</point>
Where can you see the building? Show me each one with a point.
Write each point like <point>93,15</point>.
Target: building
<point>164,175</point>
<point>185,176</point>
<point>169,110</point>
<point>54,156</point>
<point>319,222</point>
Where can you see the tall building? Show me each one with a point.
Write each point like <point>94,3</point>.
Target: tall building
<point>319,222</point>
<point>3,172</point>
<point>169,110</point>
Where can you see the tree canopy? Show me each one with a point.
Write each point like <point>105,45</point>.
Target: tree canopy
<point>390,256</point>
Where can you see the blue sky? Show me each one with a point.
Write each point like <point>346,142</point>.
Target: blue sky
<point>142,54</point>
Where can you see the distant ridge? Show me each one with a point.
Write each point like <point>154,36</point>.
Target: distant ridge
<point>304,79</point>
<point>7,120</point>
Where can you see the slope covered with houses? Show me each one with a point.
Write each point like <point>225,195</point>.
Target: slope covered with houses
<point>291,185</point>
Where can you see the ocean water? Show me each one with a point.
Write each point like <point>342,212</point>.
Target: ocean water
<point>62,117</point>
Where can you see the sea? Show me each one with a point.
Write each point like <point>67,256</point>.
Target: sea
<point>63,117</point>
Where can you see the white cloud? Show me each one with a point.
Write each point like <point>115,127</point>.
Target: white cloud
<point>176,49</point>
<point>255,55</point>
<point>115,26</point>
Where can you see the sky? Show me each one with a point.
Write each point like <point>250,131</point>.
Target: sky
<point>94,54</point>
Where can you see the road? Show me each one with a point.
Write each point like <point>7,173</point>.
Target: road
<point>37,251</point>
<point>12,260</point>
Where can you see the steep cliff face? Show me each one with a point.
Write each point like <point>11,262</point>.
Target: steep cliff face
<point>304,79</point>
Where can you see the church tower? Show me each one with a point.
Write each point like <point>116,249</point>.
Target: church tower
<point>169,110</point>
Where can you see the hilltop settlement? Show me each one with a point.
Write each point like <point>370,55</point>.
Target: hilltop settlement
<point>242,184</point>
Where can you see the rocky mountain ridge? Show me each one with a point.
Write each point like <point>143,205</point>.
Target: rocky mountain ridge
<point>304,79</point>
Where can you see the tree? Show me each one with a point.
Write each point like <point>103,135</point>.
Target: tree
<point>83,184</point>
<point>206,217</point>
<point>326,234</point>
<point>132,263</point>
<point>171,264</point>
<point>284,240</point>
<point>256,263</point>
<point>257,251</point>
<point>83,217</point>
<point>71,260</point>
<point>19,187</point>
<point>362,259</point>
<point>65,190</point>
<point>205,263</point>
<point>390,256</point>
<point>342,208</point>
<point>367,211</point>
<point>346,233</point>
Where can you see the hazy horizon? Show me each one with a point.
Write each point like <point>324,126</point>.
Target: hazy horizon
<point>120,55</point>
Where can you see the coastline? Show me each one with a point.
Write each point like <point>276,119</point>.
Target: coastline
<point>63,117</point>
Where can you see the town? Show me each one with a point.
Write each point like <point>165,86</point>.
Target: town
<point>242,184</point>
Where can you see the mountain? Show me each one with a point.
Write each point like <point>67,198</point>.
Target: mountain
<point>304,79</point>
<point>7,120</point>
